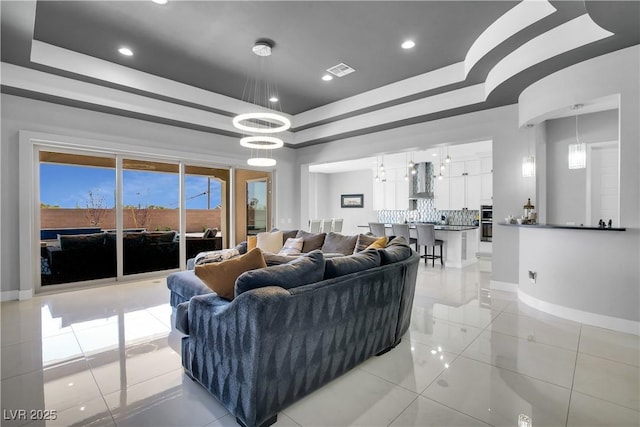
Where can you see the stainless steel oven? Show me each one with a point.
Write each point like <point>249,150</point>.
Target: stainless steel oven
<point>486,223</point>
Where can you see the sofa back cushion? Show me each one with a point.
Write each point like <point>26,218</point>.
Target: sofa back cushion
<point>292,246</point>
<point>160,237</point>
<point>270,242</point>
<point>305,269</point>
<point>81,241</point>
<point>312,241</point>
<point>397,250</point>
<point>363,241</point>
<point>221,276</point>
<point>338,243</point>
<point>286,234</point>
<point>340,266</point>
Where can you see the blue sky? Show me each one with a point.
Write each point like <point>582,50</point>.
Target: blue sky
<point>68,187</point>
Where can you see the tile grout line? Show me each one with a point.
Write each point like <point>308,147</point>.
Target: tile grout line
<point>573,378</point>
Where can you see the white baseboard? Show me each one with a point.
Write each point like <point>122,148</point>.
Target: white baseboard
<point>503,286</point>
<point>15,295</point>
<point>594,319</point>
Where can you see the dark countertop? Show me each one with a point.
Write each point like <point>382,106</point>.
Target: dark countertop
<point>563,227</point>
<point>438,227</point>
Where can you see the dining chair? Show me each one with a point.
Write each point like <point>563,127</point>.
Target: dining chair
<point>404,231</point>
<point>427,238</point>
<point>336,225</point>
<point>377,228</point>
<point>314,225</point>
<point>326,225</point>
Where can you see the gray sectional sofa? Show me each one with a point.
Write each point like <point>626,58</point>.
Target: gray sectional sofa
<point>276,342</point>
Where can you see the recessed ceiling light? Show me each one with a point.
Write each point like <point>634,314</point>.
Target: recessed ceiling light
<point>273,99</point>
<point>327,77</point>
<point>160,1</point>
<point>125,51</point>
<point>408,44</point>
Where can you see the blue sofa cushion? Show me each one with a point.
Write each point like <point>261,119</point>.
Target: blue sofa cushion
<point>361,261</point>
<point>397,250</point>
<point>184,285</point>
<point>308,268</point>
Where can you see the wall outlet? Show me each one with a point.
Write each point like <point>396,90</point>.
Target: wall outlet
<point>532,276</point>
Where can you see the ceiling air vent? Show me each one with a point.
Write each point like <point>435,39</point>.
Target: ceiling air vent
<point>340,70</point>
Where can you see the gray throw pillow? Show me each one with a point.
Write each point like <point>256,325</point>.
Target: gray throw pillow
<point>338,243</point>
<point>305,269</point>
<point>397,249</point>
<point>363,242</point>
<point>361,261</point>
<point>312,241</point>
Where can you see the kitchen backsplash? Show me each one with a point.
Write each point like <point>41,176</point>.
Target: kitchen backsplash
<point>426,212</point>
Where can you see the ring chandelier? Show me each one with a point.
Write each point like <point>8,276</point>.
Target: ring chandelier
<point>265,117</point>
<point>261,142</point>
<point>257,125</point>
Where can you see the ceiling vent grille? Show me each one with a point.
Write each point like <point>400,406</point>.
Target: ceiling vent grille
<point>341,70</point>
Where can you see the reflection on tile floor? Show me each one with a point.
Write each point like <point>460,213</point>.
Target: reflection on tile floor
<point>472,357</point>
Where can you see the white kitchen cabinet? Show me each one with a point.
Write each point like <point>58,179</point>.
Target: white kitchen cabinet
<point>378,196</point>
<point>473,192</point>
<point>486,165</point>
<point>441,194</point>
<point>457,192</point>
<point>393,193</point>
<point>486,189</point>
<point>452,169</point>
<point>402,193</point>
<point>472,167</point>
<point>461,188</point>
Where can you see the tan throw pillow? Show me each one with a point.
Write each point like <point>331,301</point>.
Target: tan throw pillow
<point>252,242</point>
<point>221,277</point>
<point>292,246</point>
<point>363,242</point>
<point>380,243</point>
<point>270,242</point>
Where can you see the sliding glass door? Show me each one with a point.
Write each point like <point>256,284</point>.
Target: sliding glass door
<point>207,212</point>
<point>77,203</point>
<point>150,216</point>
<point>108,216</point>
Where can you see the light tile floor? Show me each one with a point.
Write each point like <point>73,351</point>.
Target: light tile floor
<point>473,357</point>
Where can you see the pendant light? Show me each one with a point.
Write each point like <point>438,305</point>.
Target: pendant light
<point>528,161</point>
<point>406,173</point>
<point>260,127</point>
<point>577,151</point>
<point>377,178</point>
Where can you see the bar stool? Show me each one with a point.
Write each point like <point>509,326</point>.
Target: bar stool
<point>377,228</point>
<point>427,238</point>
<point>336,225</point>
<point>403,230</point>
<point>326,225</point>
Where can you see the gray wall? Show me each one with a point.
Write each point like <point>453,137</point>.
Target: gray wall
<point>566,188</point>
<point>141,136</point>
<point>356,182</point>
<point>595,272</point>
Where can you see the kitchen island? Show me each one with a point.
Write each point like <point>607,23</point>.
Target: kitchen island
<point>460,242</point>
